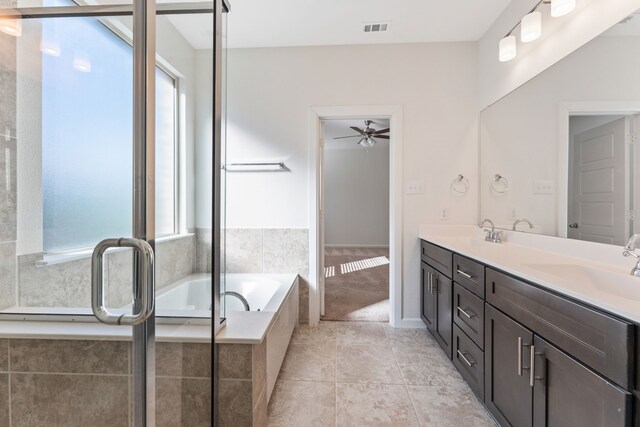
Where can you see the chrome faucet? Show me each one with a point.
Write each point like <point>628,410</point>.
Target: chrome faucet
<point>518,221</point>
<point>491,235</point>
<point>240,297</point>
<point>629,250</point>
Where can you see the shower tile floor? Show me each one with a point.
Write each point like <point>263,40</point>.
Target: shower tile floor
<point>369,374</point>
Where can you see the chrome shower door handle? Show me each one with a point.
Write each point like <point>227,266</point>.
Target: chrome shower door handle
<point>146,286</point>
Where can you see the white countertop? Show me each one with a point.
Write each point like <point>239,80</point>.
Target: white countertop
<point>593,273</point>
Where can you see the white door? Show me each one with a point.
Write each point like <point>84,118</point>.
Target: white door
<point>598,200</point>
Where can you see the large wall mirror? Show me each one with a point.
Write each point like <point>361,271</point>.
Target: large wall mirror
<point>559,154</point>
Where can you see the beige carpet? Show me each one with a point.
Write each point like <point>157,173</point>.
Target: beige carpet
<point>356,284</point>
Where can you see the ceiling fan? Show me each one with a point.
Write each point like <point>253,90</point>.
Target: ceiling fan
<point>368,134</point>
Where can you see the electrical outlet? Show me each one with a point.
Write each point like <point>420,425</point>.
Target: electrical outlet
<point>444,214</point>
<point>415,187</point>
<point>542,187</point>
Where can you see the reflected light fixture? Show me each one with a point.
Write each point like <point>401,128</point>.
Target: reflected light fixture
<point>507,48</point>
<point>50,47</point>
<point>562,7</point>
<point>367,142</point>
<point>531,27</point>
<point>11,26</point>
<point>81,62</point>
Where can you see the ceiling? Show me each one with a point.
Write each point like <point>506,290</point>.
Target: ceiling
<point>334,128</point>
<point>260,23</point>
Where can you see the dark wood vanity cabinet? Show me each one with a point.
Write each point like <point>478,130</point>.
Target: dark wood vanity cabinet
<point>436,293</point>
<point>585,362</point>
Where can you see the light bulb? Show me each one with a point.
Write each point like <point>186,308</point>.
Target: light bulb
<point>562,7</point>
<point>10,26</point>
<point>507,48</point>
<point>531,27</point>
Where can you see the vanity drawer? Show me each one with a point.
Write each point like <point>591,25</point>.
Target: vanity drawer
<point>438,257</point>
<point>468,314</point>
<point>604,343</point>
<point>469,274</point>
<point>469,360</point>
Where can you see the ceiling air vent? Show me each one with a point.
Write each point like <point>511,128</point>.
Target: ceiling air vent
<point>376,27</point>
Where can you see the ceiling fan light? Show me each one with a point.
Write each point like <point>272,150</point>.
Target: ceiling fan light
<point>562,7</point>
<point>531,27</point>
<point>507,48</point>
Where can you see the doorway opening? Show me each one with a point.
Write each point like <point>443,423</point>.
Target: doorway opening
<point>354,238</point>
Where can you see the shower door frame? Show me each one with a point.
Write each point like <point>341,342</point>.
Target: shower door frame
<point>144,14</point>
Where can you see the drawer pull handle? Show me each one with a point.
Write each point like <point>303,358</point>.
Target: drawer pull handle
<point>461,355</point>
<point>532,370</point>
<point>467,315</point>
<point>462,273</point>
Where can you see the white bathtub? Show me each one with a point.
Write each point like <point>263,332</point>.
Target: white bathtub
<point>191,296</point>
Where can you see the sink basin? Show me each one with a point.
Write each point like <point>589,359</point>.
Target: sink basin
<point>581,277</point>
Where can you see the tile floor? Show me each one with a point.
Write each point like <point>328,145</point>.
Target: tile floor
<point>368,374</point>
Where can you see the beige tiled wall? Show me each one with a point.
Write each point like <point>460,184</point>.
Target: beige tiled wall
<point>242,385</point>
<point>280,250</point>
<point>58,383</point>
<point>68,284</point>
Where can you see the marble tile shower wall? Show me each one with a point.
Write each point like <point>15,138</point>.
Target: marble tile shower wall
<point>8,205</point>
<point>271,251</point>
<point>80,383</point>
<point>68,284</point>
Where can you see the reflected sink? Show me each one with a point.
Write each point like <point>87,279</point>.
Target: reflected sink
<point>583,277</point>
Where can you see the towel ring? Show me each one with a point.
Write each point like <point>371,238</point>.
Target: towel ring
<point>460,185</point>
<point>500,184</point>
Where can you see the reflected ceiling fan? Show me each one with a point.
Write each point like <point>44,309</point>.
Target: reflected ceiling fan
<point>368,135</point>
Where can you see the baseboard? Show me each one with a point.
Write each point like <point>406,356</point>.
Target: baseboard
<point>357,246</point>
<point>411,324</point>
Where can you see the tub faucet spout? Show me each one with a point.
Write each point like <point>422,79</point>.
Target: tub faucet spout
<point>240,297</point>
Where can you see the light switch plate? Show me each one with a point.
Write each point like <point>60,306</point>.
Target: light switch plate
<point>414,187</point>
<point>543,187</point>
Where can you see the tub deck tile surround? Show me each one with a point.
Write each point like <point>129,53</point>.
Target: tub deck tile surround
<point>88,382</point>
<point>365,398</point>
<point>277,251</point>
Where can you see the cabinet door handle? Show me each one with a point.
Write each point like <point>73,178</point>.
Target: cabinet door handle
<point>462,273</point>
<point>532,362</point>
<point>429,281</point>
<point>461,355</point>
<point>467,315</point>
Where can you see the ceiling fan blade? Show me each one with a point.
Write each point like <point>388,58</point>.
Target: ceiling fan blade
<point>361,139</point>
<point>381,136</point>
<point>381,124</point>
<point>382,131</point>
<point>360,131</point>
<point>353,136</point>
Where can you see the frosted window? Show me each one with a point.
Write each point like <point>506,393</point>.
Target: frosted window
<point>87,127</point>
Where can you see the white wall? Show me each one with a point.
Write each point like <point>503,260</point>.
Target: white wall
<point>560,37</point>
<point>271,91</point>
<point>356,196</point>
<point>519,133</point>
<point>203,138</point>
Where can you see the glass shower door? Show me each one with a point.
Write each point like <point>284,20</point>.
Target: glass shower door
<point>80,162</point>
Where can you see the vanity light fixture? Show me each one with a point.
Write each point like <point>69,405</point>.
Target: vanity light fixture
<point>508,48</point>
<point>11,26</point>
<point>531,27</point>
<point>562,7</point>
